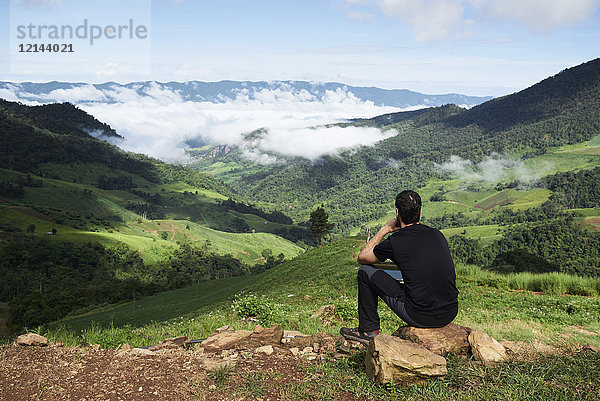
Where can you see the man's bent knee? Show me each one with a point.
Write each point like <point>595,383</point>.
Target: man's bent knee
<point>369,270</point>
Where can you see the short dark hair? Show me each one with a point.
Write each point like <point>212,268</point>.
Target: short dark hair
<point>408,204</point>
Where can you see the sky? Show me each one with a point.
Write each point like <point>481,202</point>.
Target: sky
<point>474,47</point>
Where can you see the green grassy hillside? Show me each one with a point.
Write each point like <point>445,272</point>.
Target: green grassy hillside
<point>505,306</point>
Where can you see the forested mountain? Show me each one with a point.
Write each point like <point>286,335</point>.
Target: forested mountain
<point>560,110</point>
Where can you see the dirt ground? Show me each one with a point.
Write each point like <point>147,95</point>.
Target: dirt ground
<point>72,373</point>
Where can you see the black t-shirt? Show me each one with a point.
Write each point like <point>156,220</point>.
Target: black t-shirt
<point>422,255</point>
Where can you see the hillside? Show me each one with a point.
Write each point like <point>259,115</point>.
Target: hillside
<point>544,329</point>
<point>139,226</point>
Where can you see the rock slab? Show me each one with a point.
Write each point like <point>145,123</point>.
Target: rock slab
<point>225,340</point>
<point>32,339</point>
<point>485,348</point>
<point>392,359</point>
<point>450,339</point>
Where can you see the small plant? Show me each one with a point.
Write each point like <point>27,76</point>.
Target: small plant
<point>221,376</point>
<point>251,305</point>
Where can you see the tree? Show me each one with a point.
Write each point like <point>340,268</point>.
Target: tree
<point>319,224</point>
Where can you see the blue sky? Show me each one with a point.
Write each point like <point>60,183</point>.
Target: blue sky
<point>478,47</point>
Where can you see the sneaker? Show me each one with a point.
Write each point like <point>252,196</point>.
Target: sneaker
<point>357,335</point>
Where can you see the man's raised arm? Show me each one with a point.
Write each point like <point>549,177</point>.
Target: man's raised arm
<point>366,255</point>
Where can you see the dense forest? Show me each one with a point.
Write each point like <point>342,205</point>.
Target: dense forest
<point>44,280</point>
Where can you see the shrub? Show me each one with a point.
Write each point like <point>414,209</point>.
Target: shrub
<point>251,305</point>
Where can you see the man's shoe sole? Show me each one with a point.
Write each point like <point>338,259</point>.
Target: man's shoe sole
<point>359,339</point>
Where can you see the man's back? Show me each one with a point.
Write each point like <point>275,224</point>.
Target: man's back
<point>421,252</point>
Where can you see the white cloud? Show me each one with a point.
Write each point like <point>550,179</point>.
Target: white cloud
<point>434,20</point>
<point>543,14</point>
<point>430,19</point>
<point>157,121</point>
<point>108,71</point>
<point>493,169</point>
<point>79,94</point>
<point>9,93</point>
<point>358,16</point>
<point>38,3</point>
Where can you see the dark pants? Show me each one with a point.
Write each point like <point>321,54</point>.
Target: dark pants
<point>373,283</point>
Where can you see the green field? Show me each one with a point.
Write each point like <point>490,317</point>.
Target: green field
<point>100,215</point>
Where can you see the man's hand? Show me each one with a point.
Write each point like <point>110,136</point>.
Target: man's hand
<point>366,255</point>
<point>391,225</point>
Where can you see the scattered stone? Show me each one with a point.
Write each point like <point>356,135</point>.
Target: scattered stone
<point>141,351</point>
<point>293,333</point>
<point>171,343</point>
<point>485,348</point>
<point>300,342</point>
<point>265,349</point>
<point>96,347</point>
<point>258,329</point>
<point>32,339</point>
<point>306,350</point>
<point>215,364</point>
<point>295,351</point>
<point>590,348</point>
<point>392,359</point>
<point>450,339</point>
<point>223,329</point>
<point>316,347</point>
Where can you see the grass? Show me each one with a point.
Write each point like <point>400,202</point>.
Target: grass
<point>502,305</point>
<point>486,233</point>
<point>542,378</point>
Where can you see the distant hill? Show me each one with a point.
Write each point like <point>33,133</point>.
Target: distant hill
<point>357,185</point>
<point>218,92</point>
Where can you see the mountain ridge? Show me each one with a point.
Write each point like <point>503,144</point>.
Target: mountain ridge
<point>220,91</point>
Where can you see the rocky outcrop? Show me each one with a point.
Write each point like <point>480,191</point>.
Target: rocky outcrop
<point>485,348</point>
<point>392,359</point>
<point>450,339</point>
<point>32,339</point>
<point>225,339</point>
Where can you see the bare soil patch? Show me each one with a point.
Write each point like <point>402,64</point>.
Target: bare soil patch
<point>73,373</point>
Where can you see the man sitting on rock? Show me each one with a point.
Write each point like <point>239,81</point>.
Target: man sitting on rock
<point>428,296</point>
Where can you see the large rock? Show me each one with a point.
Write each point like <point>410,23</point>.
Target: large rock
<point>485,348</point>
<point>392,359</point>
<point>224,340</point>
<point>263,336</point>
<point>450,339</point>
<point>32,339</point>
